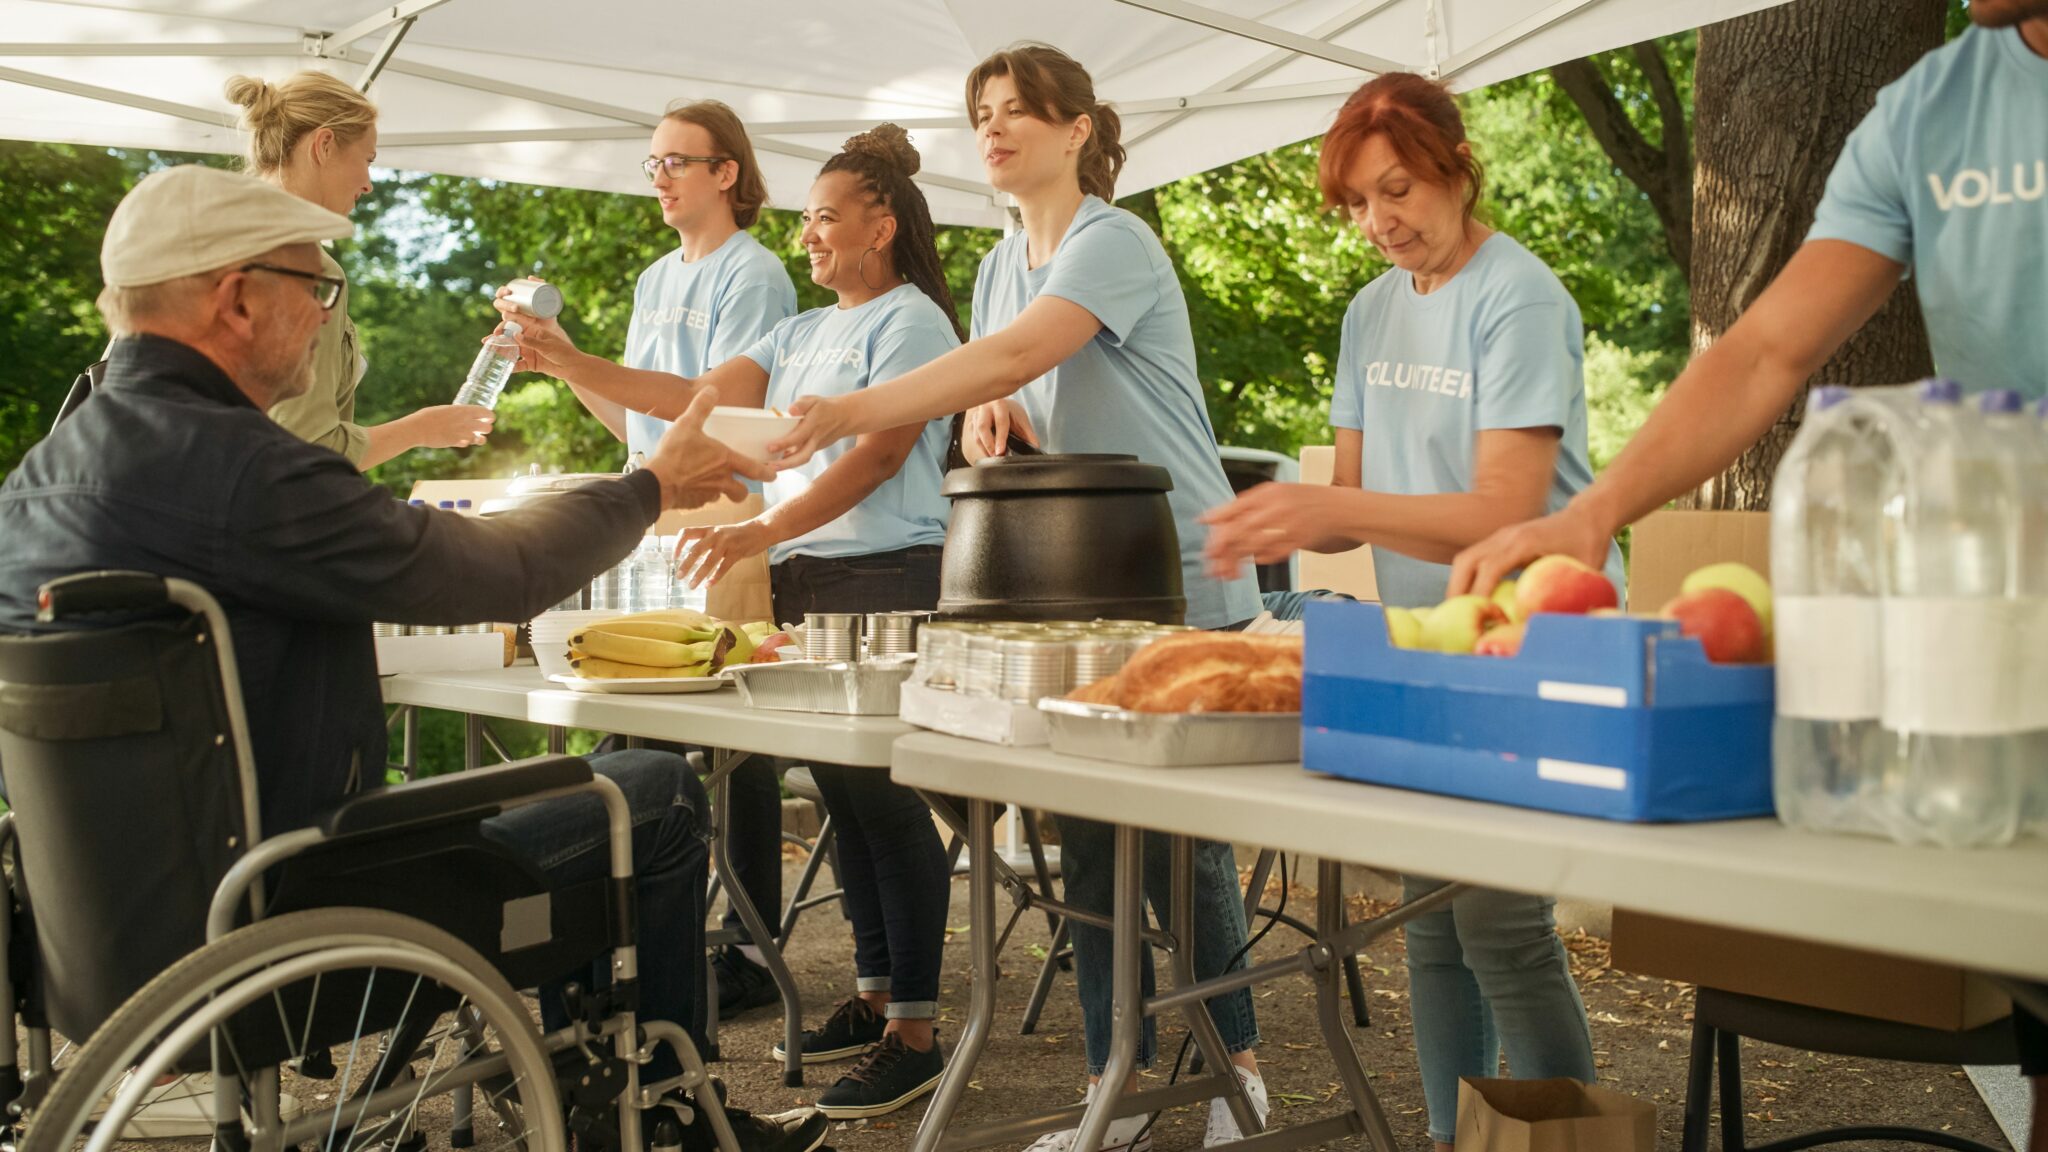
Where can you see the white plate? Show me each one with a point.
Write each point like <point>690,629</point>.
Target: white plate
<point>747,430</point>
<point>652,685</point>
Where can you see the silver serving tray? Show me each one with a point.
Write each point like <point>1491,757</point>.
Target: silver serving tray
<point>866,688</point>
<point>1171,739</point>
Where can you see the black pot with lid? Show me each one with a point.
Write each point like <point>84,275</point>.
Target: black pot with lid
<point>1061,537</point>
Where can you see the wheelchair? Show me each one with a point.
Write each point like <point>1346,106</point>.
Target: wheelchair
<point>150,919</point>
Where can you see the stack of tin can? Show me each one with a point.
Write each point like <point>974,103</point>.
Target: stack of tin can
<point>1024,661</point>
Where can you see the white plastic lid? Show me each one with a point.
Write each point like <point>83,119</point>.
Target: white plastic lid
<point>511,329</point>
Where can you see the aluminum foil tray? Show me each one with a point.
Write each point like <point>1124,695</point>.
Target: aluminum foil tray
<point>867,688</point>
<point>1171,739</point>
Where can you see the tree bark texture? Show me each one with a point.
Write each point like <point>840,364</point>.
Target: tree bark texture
<point>1775,94</point>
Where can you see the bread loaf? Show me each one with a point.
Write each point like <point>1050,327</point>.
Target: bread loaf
<point>1206,672</point>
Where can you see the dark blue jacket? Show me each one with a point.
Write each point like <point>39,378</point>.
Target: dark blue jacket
<point>168,468</point>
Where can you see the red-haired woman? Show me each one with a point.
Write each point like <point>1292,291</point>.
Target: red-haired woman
<point>1462,368</point>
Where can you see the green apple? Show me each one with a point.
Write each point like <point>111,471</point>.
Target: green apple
<point>1738,578</point>
<point>1403,629</point>
<point>1456,624</point>
<point>1504,595</point>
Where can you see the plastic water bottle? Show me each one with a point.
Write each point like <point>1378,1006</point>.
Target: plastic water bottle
<point>2019,440</point>
<point>680,594</point>
<point>1827,542</point>
<point>493,367</point>
<point>644,583</point>
<point>1952,710</point>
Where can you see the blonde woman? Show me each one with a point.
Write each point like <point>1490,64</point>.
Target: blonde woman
<point>315,137</point>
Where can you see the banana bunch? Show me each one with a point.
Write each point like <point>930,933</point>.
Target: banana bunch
<point>671,643</point>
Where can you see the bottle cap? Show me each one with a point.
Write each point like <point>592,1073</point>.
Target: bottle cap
<point>465,503</point>
<point>511,329</point>
<point>1940,391</point>
<point>417,503</point>
<point>448,504</point>
<point>1828,395</point>
<point>1999,402</point>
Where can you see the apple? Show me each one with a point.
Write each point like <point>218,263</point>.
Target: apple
<point>770,649</point>
<point>1504,595</point>
<point>1723,622</point>
<point>1562,584</point>
<point>1740,579</point>
<point>1403,629</point>
<point>1506,640</point>
<point>1456,624</point>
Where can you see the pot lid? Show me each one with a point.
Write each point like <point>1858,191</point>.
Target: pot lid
<point>1064,472</point>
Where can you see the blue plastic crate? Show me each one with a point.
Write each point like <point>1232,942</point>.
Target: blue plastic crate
<point>1614,717</point>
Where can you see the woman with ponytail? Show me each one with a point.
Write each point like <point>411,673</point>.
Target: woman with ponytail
<point>316,137</point>
<point>1082,342</point>
<point>858,528</point>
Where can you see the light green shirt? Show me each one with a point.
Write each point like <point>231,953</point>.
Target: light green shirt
<point>325,414</point>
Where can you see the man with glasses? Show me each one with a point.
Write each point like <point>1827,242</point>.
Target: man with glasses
<point>694,309</point>
<point>216,300</point>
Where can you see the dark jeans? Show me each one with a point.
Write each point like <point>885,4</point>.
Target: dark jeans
<point>570,840</point>
<point>892,867</point>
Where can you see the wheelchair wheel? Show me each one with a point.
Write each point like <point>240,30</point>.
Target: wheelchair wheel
<point>283,964</point>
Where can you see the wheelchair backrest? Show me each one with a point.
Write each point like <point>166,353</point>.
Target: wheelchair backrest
<point>117,760</point>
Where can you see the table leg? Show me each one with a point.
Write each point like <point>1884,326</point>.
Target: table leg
<point>981,1007</point>
<point>1208,1041</point>
<point>1128,1017</point>
<point>757,929</point>
<point>411,743</point>
<point>558,740</point>
<point>1329,974</point>
<point>472,741</point>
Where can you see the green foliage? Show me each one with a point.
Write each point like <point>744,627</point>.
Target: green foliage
<point>1622,385</point>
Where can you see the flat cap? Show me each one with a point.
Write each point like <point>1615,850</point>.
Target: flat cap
<point>191,219</point>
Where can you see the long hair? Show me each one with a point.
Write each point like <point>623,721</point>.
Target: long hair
<point>729,139</point>
<point>1057,90</point>
<point>884,161</point>
<point>278,116</point>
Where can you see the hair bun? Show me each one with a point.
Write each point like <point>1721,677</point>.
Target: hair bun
<point>888,143</point>
<point>252,93</point>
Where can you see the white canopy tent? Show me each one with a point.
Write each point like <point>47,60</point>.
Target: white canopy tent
<point>564,94</point>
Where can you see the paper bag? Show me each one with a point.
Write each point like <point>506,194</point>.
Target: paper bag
<point>741,594</point>
<point>1551,1116</point>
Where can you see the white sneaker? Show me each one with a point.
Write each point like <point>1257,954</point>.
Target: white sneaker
<point>180,1108</point>
<point>1130,1134</point>
<point>1222,1125</point>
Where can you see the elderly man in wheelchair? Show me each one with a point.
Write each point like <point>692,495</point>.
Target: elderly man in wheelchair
<point>207,881</point>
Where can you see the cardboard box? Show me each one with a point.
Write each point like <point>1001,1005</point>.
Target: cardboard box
<point>1666,547</point>
<point>1816,975</point>
<point>1347,572</point>
<point>1558,1115</point>
<point>1619,718</point>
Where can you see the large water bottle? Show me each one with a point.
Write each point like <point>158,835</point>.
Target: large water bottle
<point>1827,541</point>
<point>493,367</point>
<point>2019,440</point>
<point>1952,710</point>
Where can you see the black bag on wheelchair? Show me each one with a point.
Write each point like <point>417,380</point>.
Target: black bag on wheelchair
<point>118,753</point>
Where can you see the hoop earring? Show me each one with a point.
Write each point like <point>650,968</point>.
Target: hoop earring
<point>863,267</point>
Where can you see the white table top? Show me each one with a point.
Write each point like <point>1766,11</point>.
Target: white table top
<point>1984,910</point>
<point>714,719</point>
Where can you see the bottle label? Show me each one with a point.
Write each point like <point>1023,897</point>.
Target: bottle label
<point>1828,657</point>
<point>1959,666</point>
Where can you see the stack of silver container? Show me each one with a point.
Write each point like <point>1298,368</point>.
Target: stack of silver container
<point>1024,661</point>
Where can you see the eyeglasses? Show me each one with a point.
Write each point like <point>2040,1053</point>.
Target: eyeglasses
<point>676,164</point>
<point>326,289</point>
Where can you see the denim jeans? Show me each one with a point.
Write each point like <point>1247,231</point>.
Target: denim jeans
<point>1485,971</point>
<point>892,867</point>
<point>570,840</point>
<point>1088,861</point>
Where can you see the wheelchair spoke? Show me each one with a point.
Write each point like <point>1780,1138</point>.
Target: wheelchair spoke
<point>348,1069</point>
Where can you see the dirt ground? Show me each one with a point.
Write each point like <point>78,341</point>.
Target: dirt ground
<point>1641,1032</point>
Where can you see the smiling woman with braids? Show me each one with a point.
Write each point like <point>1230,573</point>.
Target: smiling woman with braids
<point>857,528</point>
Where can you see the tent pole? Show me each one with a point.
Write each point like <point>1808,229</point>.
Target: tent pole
<point>383,55</point>
<point>1266,34</point>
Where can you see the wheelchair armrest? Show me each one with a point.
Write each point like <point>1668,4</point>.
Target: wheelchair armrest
<point>481,790</point>
<point>105,591</point>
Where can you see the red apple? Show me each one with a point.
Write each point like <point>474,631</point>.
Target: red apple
<point>1562,584</point>
<point>770,650</point>
<point>1505,640</point>
<point>1723,622</point>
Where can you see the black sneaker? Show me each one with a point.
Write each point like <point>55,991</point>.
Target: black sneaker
<point>853,1026</point>
<point>802,1130</point>
<point>742,984</point>
<point>889,1076</point>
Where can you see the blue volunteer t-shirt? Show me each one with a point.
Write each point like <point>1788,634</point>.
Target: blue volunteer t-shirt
<point>831,351</point>
<point>1133,388</point>
<point>1499,346</point>
<point>1948,175</point>
<point>690,317</point>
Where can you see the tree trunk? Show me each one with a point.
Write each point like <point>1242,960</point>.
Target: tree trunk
<point>1775,95</point>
